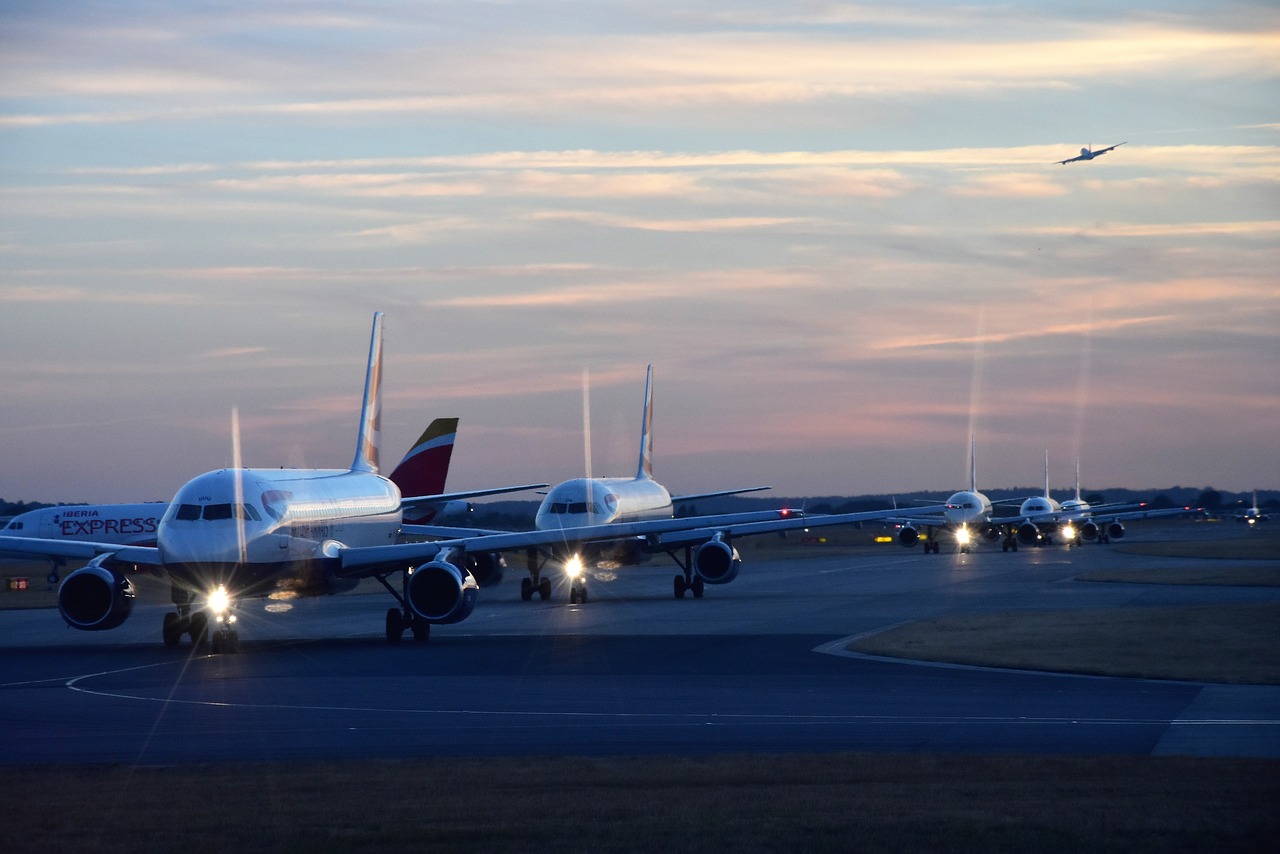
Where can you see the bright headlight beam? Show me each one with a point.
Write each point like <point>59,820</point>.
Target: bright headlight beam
<point>219,601</point>
<point>573,567</point>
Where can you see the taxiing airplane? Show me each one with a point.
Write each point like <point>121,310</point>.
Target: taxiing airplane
<point>236,534</point>
<point>967,515</point>
<point>1252,515</point>
<point>593,501</point>
<point>1088,154</point>
<point>1074,521</point>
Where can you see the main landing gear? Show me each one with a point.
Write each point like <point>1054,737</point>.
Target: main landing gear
<point>399,619</point>
<point>183,622</point>
<point>687,581</point>
<point>535,583</point>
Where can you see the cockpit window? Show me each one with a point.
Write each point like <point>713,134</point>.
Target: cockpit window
<point>216,512</point>
<point>562,508</point>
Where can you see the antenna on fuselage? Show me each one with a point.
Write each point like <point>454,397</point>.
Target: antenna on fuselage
<point>370,436</point>
<point>644,471</point>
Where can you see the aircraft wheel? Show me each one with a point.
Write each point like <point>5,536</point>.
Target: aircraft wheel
<point>1004,547</point>
<point>679,586</point>
<point>582,594</point>
<point>573,596</point>
<point>216,646</point>
<point>171,630</point>
<point>232,643</point>
<point>526,589</point>
<point>395,625</point>
<point>198,629</point>
<point>544,589</point>
<point>698,586</point>
<point>421,630</point>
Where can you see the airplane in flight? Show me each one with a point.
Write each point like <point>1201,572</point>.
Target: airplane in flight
<point>1252,515</point>
<point>236,534</point>
<point>966,515</point>
<point>1088,154</point>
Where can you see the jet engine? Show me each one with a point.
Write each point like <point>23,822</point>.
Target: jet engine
<point>990,533</point>
<point>716,562</point>
<point>1028,534</point>
<point>1089,531</point>
<point>1115,531</point>
<point>95,598</point>
<point>908,535</point>
<point>441,592</point>
<point>487,567</point>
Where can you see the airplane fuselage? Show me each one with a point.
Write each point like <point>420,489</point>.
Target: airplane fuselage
<point>967,508</point>
<point>262,531</point>
<point>603,501</point>
<point>129,524</point>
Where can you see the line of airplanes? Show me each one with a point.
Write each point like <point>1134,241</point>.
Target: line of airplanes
<point>248,533</point>
<point>969,516</point>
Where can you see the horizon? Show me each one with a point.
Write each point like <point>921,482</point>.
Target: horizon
<point>838,232</point>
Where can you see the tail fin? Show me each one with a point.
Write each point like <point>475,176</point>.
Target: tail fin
<point>1046,474</point>
<point>973,462</point>
<point>645,470</point>
<point>1077,478</point>
<point>370,438</point>
<point>424,469</point>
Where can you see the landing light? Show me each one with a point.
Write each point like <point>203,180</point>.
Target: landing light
<point>962,536</point>
<point>1069,532</point>
<point>219,601</point>
<point>573,567</point>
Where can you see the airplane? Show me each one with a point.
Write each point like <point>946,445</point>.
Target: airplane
<point>1087,154</point>
<point>421,474</point>
<point>592,501</point>
<point>965,514</point>
<point>250,533</point>
<point>1252,515</point>
<point>1041,518</point>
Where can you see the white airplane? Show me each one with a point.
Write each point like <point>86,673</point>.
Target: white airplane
<point>237,533</point>
<point>1252,515</point>
<point>587,502</point>
<point>1088,154</point>
<point>1041,518</point>
<point>421,474</point>
<point>967,515</point>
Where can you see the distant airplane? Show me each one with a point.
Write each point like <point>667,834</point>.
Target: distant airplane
<point>967,514</point>
<point>239,533</point>
<point>1087,154</point>
<point>1041,518</point>
<point>593,502</point>
<point>1252,515</point>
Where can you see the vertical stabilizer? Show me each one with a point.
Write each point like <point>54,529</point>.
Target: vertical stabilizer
<point>645,470</point>
<point>1046,474</point>
<point>424,469</point>
<point>1077,479</point>
<point>973,462</point>
<point>370,437</point>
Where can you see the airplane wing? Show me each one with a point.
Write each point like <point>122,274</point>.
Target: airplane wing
<point>696,496</point>
<point>372,560</point>
<point>1105,150</point>
<point>419,500</point>
<point>1071,159</point>
<point>37,547</point>
<point>1141,514</point>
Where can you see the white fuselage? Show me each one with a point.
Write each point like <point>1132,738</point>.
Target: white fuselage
<point>602,501</point>
<point>1040,507</point>
<point>967,508</point>
<point>257,529</point>
<point>127,524</point>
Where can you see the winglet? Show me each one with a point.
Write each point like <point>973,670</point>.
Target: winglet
<point>370,437</point>
<point>645,470</point>
<point>425,468</point>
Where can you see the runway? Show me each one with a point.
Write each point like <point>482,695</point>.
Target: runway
<point>755,666</point>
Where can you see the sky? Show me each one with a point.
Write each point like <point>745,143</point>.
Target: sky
<point>836,230</point>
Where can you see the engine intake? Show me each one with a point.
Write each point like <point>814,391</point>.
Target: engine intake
<point>1115,531</point>
<point>440,592</point>
<point>487,567</point>
<point>1089,531</point>
<point>716,562</point>
<point>1028,534</point>
<point>95,598</point>
<point>908,536</point>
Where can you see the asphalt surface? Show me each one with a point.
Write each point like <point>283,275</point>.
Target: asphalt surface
<point>754,666</point>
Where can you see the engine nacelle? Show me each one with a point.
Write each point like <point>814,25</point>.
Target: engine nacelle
<point>486,567</point>
<point>716,562</point>
<point>95,598</point>
<point>1089,531</point>
<point>990,533</point>
<point>1115,531</point>
<point>1028,534</point>
<point>440,592</point>
<point>908,536</point>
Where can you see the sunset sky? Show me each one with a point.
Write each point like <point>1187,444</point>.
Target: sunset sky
<point>836,230</point>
